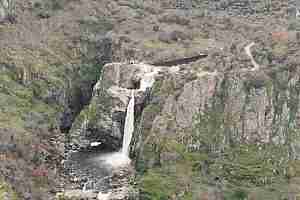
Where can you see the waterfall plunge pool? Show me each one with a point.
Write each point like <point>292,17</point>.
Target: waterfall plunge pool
<point>96,167</point>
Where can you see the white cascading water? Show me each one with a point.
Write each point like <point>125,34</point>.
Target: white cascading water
<point>129,126</point>
<point>121,158</point>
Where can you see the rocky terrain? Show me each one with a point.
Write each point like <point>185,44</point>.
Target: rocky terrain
<point>220,121</point>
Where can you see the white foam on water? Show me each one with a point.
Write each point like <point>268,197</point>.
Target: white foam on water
<point>103,196</point>
<point>115,160</point>
<point>94,144</point>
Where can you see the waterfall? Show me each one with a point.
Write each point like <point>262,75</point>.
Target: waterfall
<point>121,158</point>
<point>129,125</point>
<point>147,81</point>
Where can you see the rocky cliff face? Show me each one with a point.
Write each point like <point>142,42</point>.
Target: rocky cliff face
<point>235,127</point>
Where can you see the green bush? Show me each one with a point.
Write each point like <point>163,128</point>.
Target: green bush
<point>90,72</point>
<point>157,186</point>
<point>236,194</point>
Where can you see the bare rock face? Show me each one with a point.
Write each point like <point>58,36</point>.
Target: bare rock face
<point>190,110</point>
<point>246,99</point>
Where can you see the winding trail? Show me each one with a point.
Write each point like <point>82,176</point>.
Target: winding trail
<point>248,52</point>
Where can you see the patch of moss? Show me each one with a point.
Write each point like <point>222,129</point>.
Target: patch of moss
<point>202,40</point>
<point>236,194</point>
<point>96,25</point>
<point>90,72</point>
<point>91,111</point>
<point>149,114</point>
<point>157,185</point>
<point>167,87</point>
<point>156,87</point>
<point>280,49</point>
<point>5,190</point>
<point>293,169</point>
<point>21,105</point>
<point>154,44</point>
<point>158,45</point>
<point>178,174</point>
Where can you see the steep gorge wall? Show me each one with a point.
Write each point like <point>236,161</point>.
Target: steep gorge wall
<point>239,128</point>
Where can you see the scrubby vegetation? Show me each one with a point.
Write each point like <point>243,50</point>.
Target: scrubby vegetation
<point>20,100</point>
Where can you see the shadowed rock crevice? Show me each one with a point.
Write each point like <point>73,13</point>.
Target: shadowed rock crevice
<point>80,93</point>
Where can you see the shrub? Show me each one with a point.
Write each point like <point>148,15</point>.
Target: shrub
<point>237,194</point>
<point>157,186</point>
